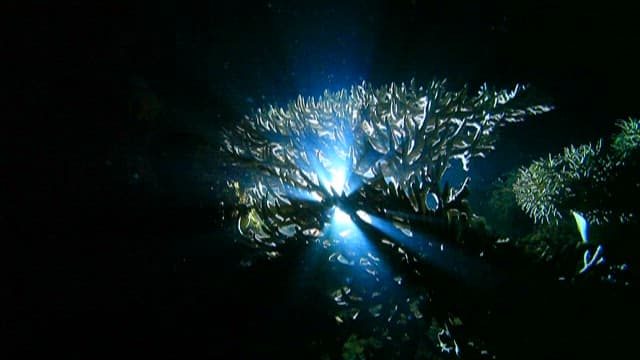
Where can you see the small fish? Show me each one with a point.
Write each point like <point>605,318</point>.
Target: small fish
<point>313,232</point>
<point>343,260</point>
<point>288,230</point>
<point>333,256</point>
<point>387,242</point>
<point>404,228</point>
<point>432,201</point>
<point>582,225</point>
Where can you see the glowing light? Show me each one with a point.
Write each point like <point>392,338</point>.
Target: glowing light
<point>345,233</point>
<point>364,216</point>
<point>338,179</point>
<point>313,156</point>
<point>315,196</point>
<point>341,217</point>
<point>295,193</point>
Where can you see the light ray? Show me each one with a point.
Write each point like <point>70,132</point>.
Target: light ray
<point>341,217</point>
<point>446,256</point>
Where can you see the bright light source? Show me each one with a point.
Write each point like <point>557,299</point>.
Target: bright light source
<point>315,196</point>
<point>338,178</point>
<point>340,217</point>
<point>364,216</point>
<point>345,233</point>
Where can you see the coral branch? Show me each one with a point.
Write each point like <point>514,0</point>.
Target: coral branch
<point>395,139</point>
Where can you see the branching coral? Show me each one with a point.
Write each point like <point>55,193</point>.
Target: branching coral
<point>354,173</point>
<point>543,186</point>
<point>367,147</point>
<point>627,140</point>
<point>586,178</point>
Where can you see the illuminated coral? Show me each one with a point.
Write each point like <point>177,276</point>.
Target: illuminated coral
<point>541,188</point>
<point>368,149</point>
<point>587,178</point>
<point>627,140</point>
<point>358,177</point>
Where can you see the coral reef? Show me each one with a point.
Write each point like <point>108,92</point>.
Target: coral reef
<point>627,141</point>
<point>365,148</point>
<point>587,178</point>
<point>363,177</point>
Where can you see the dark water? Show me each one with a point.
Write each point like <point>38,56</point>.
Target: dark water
<point>162,279</point>
<point>115,239</point>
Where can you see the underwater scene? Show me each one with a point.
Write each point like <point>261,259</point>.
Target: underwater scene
<point>329,180</point>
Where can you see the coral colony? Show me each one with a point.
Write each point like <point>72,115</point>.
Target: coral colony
<point>353,174</point>
<point>592,178</point>
<point>373,154</point>
<point>584,177</point>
